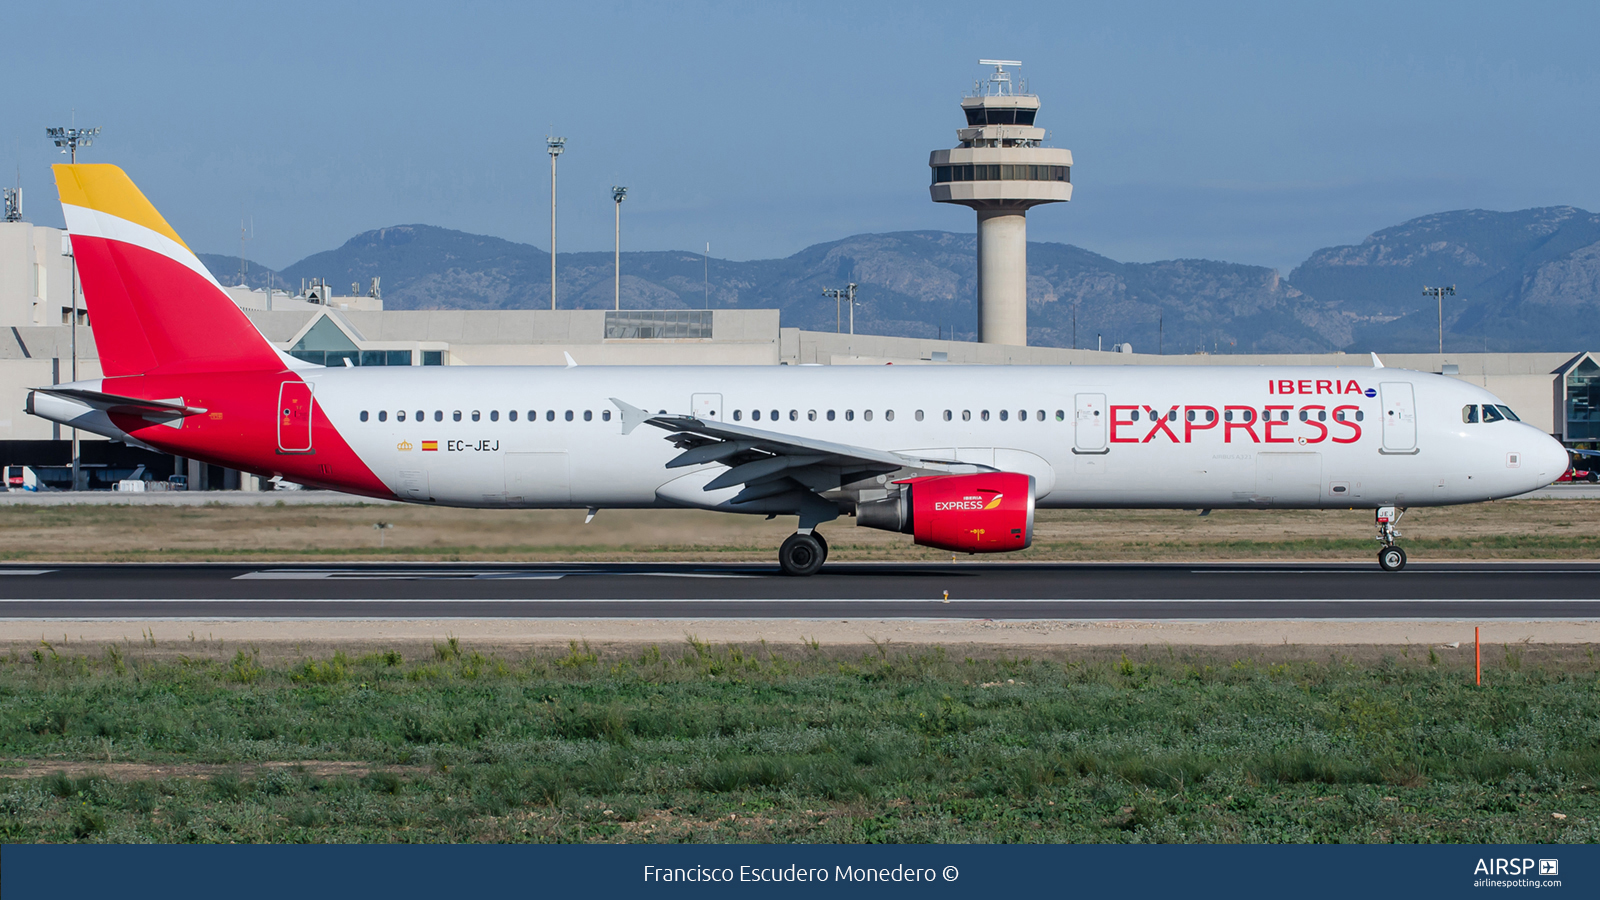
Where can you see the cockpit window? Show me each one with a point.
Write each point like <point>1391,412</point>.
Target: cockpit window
<point>1492,414</point>
<point>1469,414</point>
<point>1506,411</point>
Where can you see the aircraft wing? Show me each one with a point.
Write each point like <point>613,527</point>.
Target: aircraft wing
<point>770,463</point>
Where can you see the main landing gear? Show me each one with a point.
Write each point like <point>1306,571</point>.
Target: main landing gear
<point>1391,558</point>
<point>803,553</point>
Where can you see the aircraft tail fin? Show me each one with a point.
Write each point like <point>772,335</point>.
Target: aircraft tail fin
<point>152,304</point>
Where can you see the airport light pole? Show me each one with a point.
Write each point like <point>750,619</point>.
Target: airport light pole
<point>618,194</point>
<point>1439,293</point>
<point>840,295</point>
<point>555,145</point>
<point>69,139</point>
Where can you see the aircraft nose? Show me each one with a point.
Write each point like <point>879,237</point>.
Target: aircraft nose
<point>1552,459</point>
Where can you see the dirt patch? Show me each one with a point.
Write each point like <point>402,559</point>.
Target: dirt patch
<point>1505,529</point>
<point>132,771</point>
<point>1567,643</point>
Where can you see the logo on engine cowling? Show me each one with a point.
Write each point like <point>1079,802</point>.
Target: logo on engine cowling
<point>969,503</point>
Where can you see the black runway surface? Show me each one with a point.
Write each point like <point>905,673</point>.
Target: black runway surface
<point>1522,590</point>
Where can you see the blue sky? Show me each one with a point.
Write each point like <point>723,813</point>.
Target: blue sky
<point>1248,132</point>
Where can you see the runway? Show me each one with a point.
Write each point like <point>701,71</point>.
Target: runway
<point>1076,591</point>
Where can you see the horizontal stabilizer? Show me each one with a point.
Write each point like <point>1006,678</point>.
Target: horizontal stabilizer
<point>132,406</point>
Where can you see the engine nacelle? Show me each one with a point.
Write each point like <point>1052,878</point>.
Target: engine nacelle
<point>989,512</point>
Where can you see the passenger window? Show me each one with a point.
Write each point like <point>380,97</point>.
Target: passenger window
<point>947,415</point>
<point>1490,414</point>
<point>1322,415</point>
<point>866,414</point>
<point>738,414</point>
<point>363,415</point>
<point>755,415</point>
<point>1172,415</point>
<point>1305,415</point>
<point>1360,415</point>
<point>549,415</point>
<point>830,415</point>
<point>1136,415</point>
<point>774,416</point>
<point>399,415</point>
<point>1189,415</point>
<point>888,415</point>
<point>588,415</point>
<point>1061,415</point>
<point>511,415</point>
<point>1211,415</point>
<point>569,415</point>
<point>849,415</point>
<point>917,415</point>
<point>985,414</point>
<point>1227,415</point>
<point>1469,414</point>
<point>476,415</point>
<point>1005,415</point>
<point>421,414</point>
<point>966,415</point>
<point>811,415</point>
<point>605,415</point>
<point>383,415</point>
<point>455,416</point>
<point>794,415</point>
<point>438,415</point>
<point>1041,415</point>
<point>494,415</point>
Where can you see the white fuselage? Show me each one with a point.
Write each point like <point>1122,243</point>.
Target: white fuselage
<point>1086,433</point>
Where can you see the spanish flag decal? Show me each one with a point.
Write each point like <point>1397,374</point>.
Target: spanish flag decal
<point>430,445</point>
<point>992,503</point>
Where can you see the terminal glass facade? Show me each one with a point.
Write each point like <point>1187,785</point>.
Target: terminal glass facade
<point>658,324</point>
<point>946,174</point>
<point>1583,401</point>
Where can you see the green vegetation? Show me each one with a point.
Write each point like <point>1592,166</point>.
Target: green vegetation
<point>714,743</point>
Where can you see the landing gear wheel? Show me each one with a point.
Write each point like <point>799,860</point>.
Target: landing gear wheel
<point>801,555</point>
<point>1391,559</point>
<point>824,542</point>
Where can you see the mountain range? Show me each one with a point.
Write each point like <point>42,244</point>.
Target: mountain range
<point>1527,280</point>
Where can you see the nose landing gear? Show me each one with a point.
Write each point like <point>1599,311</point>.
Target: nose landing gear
<point>1391,558</point>
<point>803,553</point>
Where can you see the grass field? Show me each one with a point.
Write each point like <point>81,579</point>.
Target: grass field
<point>727,743</point>
<point>1531,529</point>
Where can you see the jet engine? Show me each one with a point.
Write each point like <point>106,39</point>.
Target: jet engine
<point>989,512</point>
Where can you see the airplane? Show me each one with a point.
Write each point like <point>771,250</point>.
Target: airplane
<point>959,457</point>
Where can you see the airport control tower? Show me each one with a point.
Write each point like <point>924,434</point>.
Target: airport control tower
<point>1001,169</point>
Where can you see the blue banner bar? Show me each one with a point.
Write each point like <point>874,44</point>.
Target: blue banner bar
<point>443,871</point>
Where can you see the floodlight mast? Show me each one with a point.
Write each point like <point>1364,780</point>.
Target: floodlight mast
<point>555,145</point>
<point>69,139</point>
<point>1439,293</point>
<point>618,194</point>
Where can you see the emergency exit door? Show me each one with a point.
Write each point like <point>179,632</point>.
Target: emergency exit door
<point>294,417</point>
<point>1399,417</point>
<point>708,406</point>
<point>1089,423</point>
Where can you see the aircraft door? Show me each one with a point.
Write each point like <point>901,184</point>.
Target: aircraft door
<point>1399,417</point>
<point>294,417</point>
<point>1089,423</point>
<point>708,406</point>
